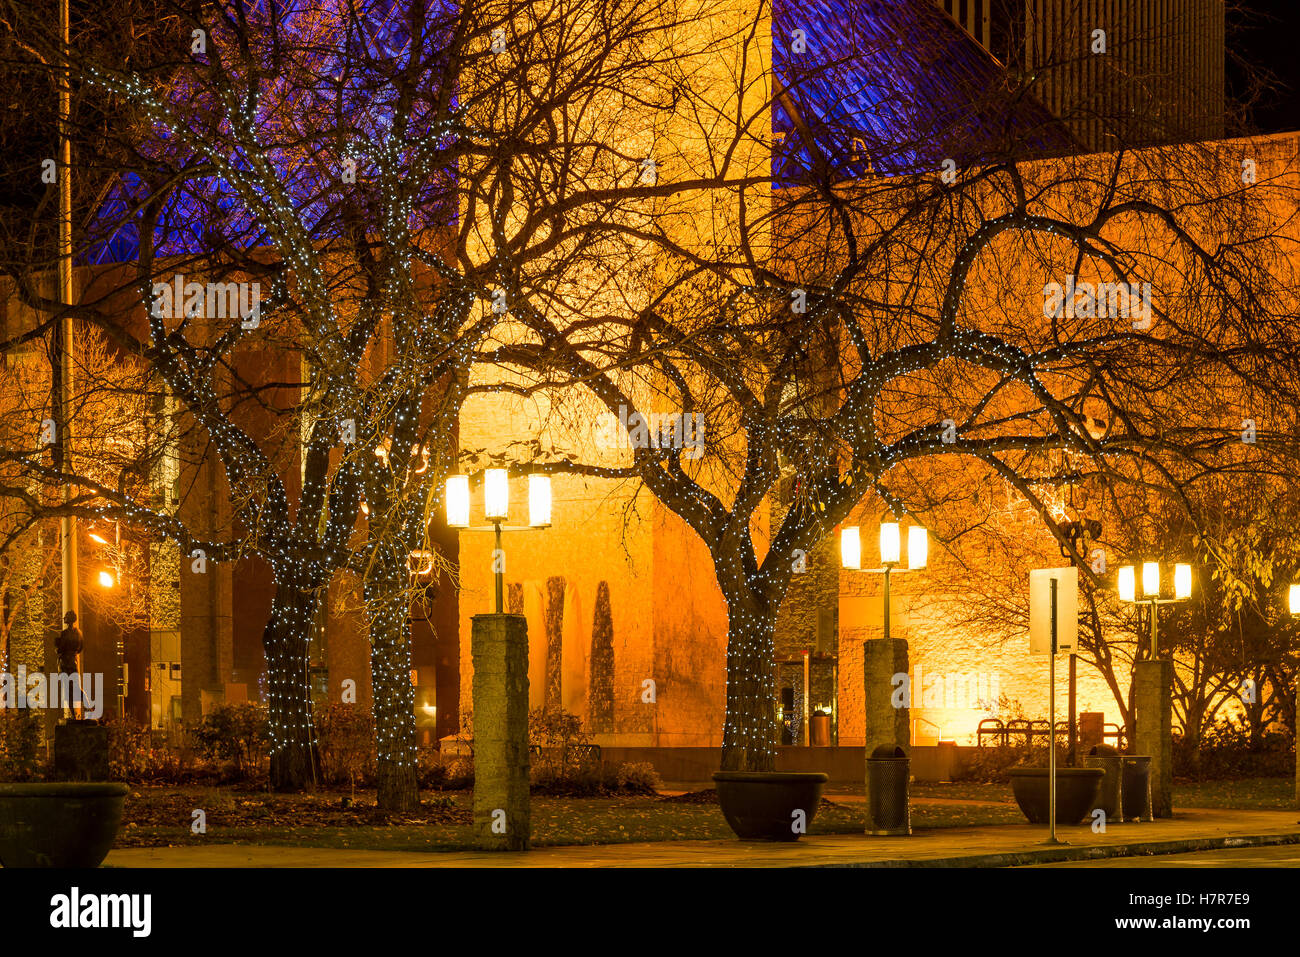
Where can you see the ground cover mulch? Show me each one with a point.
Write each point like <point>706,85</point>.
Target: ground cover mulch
<point>152,808</point>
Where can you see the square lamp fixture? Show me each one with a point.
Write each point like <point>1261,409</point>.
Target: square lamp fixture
<point>918,547</point>
<point>1150,579</point>
<point>850,547</point>
<point>496,495</point>
<point>1126,583</point>
<point>457,501</point>
<point>889,543</point>
<point>539,500</point>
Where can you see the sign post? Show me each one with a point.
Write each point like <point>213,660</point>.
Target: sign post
<point>1053,628</point>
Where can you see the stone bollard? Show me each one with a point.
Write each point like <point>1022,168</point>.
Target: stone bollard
<point>499,648</point>
<point>1153,712</point>
<point>882,658</point>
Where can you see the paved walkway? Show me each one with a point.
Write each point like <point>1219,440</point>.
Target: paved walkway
<point>998,846</point>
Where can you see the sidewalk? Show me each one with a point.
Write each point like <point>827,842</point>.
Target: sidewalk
<point>1000,846</point>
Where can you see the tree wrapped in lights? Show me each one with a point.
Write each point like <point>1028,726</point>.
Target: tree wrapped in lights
<point>400,176</point>
<point>883,326</point>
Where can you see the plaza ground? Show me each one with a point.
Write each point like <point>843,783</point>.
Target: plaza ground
<point>955,825</point>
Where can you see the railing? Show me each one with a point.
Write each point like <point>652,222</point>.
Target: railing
<point>1028,730</point>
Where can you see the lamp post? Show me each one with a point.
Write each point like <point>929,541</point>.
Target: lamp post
<point>1126,581</point>
<point>890,547</point>
<point>499,651</point>
<point>496,508</point>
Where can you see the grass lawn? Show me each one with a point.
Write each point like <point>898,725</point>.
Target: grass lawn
<point>162,817</point>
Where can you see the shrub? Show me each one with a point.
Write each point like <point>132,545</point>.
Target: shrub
<point>1226,751</point>
<point>20,744</point>
<point>638,777</point>
<point>347,744</point>
<point>235,733</point>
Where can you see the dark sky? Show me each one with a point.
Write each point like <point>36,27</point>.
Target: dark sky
<point>1266,35</point>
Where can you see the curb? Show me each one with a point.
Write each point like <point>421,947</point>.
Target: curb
<point>1056,855</point>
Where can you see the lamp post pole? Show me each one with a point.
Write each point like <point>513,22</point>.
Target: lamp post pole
<point>888,567</point>
<point>63,334</point>
<point>499,565</point>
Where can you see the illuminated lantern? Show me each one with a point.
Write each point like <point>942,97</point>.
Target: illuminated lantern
<point>1295,599</point>
<point>889,543</point>
<point>539,500</point>
<point>918,547</point>
<point>457,499</point>
<point>1182,581</point>
<point>1150,579</point>
<point>106,580</point>
<point>850,547</point>
<point>496,495</point>
<point>1127,583</point>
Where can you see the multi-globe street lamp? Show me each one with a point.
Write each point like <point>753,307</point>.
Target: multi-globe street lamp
<point>1126,581</point>
<point>496,508</point>
<point>890,553</point>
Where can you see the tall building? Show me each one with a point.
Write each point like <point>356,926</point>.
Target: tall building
<point>1116,72</point>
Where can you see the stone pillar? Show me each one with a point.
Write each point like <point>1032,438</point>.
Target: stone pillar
<point>882,659</point>
<point>499,648</point>
<point>1154,715</point>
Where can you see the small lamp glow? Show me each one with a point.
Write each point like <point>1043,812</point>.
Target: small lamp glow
<point>1150,579</point>
<point>1295,599</point>
<point>106,580</point>
<point>457,499</point>
<point>1182,581</point>
<point>889,543</point>
<point>496,495</point>
<point>539,500</point>
<point>918,547</point>
<point>1126,581</point>
<point>850,547</point>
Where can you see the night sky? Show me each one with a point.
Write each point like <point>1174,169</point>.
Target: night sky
<point>1267,37</point>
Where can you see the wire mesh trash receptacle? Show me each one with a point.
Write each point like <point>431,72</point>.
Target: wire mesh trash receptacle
<point>1135,787</point>
<point>888,808</point>
<point>1109,795</point>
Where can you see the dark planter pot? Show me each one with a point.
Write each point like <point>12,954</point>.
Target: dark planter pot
<point>760,805</point>
<point>1076,793</point>
<point>58,825</point>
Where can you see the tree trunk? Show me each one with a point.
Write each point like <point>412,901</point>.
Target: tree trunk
<point>287,642</point>
<point>394,697</point>
<point>749,734</point>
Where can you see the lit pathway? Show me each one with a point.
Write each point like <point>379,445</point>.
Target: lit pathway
<point>1192,830</point>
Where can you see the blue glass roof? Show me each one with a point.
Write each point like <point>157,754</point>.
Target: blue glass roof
<point>892,87</point>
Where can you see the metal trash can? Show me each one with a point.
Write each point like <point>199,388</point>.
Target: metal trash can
<point>1108,795</point>
<point>1135,786</point>
<point>888,807</point>
<point>820,729</point>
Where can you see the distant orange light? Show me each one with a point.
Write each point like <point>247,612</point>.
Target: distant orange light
<point>106,580</point>
<point>98,538</point>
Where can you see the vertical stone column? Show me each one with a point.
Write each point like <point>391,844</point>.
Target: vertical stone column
<point>882,658</point>
<point>499,648</point>
<point>1154,713</point>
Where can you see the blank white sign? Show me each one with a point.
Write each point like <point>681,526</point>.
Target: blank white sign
<point>1040,609</point>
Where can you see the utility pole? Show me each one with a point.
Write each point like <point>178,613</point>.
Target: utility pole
<point>63,333</point>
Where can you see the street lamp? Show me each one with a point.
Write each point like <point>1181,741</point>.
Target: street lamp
<point>496,508</point>
<point>1294,599</point>
<point>890,552</point>
<point>1126,581</point>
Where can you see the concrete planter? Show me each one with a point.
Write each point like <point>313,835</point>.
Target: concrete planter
<point>58,824</point>
<point>1076,793</point>
<point>762,805</point>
